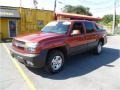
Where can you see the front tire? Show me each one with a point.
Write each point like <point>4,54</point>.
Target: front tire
<point>98,48</point>
<point>55,61</point>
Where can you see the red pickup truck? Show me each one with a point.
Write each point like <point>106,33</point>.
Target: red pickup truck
<point>57,40</point>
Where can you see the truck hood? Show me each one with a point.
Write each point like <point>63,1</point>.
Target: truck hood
<point>37,37</point>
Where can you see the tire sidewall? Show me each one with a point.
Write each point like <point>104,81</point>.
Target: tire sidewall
<point>97,48</point>
<point>51,55</point>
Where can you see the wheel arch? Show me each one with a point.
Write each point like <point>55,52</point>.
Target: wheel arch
<point>101,40</point>
<point>63,49</point>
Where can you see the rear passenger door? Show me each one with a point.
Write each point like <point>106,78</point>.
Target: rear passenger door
<point>90,35</point>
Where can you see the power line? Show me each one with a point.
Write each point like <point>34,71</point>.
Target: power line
<point>95,3</point>
<point>105,8</point>
<point>103,2</point>
<point>98,7</point>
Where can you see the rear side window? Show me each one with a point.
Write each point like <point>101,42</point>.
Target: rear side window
<point>89,27</point>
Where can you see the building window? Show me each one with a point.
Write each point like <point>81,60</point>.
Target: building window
<point>40,23</point>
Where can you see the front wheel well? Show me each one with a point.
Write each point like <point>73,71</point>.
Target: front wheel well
<point>102,40</point>
<point>63,49</point>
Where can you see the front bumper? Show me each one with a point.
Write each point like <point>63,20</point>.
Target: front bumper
<point>31,60</point>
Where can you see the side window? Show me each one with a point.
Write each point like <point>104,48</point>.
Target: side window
<point>78,26</point>
<point>89,27</point>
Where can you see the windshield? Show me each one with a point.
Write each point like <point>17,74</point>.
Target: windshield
<point>60,27</point>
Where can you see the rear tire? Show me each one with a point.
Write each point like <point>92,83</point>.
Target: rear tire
<point>55,61</point>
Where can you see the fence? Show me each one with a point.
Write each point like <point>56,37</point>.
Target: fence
<point>117,30</point>
<point>0,36</point>
<point>109,29</point>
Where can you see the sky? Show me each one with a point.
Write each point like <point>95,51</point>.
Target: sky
<point>98,8</point>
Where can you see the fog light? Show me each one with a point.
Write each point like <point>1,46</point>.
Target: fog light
<point>29,62</point>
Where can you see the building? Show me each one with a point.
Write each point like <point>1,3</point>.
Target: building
<point>71,16</point>
<point>15,20</point>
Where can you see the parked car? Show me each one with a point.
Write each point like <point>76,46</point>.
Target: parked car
<point>56,41</point>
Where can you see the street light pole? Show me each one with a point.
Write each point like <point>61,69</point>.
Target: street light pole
<point>114,17</point>
<point>55,4</point>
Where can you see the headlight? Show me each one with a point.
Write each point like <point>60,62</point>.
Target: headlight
<point>31,47</point>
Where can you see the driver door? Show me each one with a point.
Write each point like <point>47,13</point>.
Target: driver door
<point>77,42</point>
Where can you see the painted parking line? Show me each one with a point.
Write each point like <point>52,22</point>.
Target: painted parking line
<point>21,71</point>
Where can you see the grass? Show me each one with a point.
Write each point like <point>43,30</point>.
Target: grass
<point>109,34</point>
<point>8,40</point>
<point>118,33</point>
<point>0,41</point>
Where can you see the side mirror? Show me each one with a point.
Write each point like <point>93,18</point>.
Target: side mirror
<point>75,32</point>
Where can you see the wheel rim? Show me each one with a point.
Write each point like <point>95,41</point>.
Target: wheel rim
<point>56,62</point>
<point>99,48</point>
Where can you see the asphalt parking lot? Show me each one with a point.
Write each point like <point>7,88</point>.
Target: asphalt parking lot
<point>82,72</point>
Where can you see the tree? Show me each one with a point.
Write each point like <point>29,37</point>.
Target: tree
<point>77,9</point>
<point>107,19</point>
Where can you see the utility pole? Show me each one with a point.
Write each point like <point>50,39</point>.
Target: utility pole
<point>35,3</point>
<point>20,15</point>
<point>114,17</point>
<point>0,32</point>
<point>55,4</point>
<point>20,5</point>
